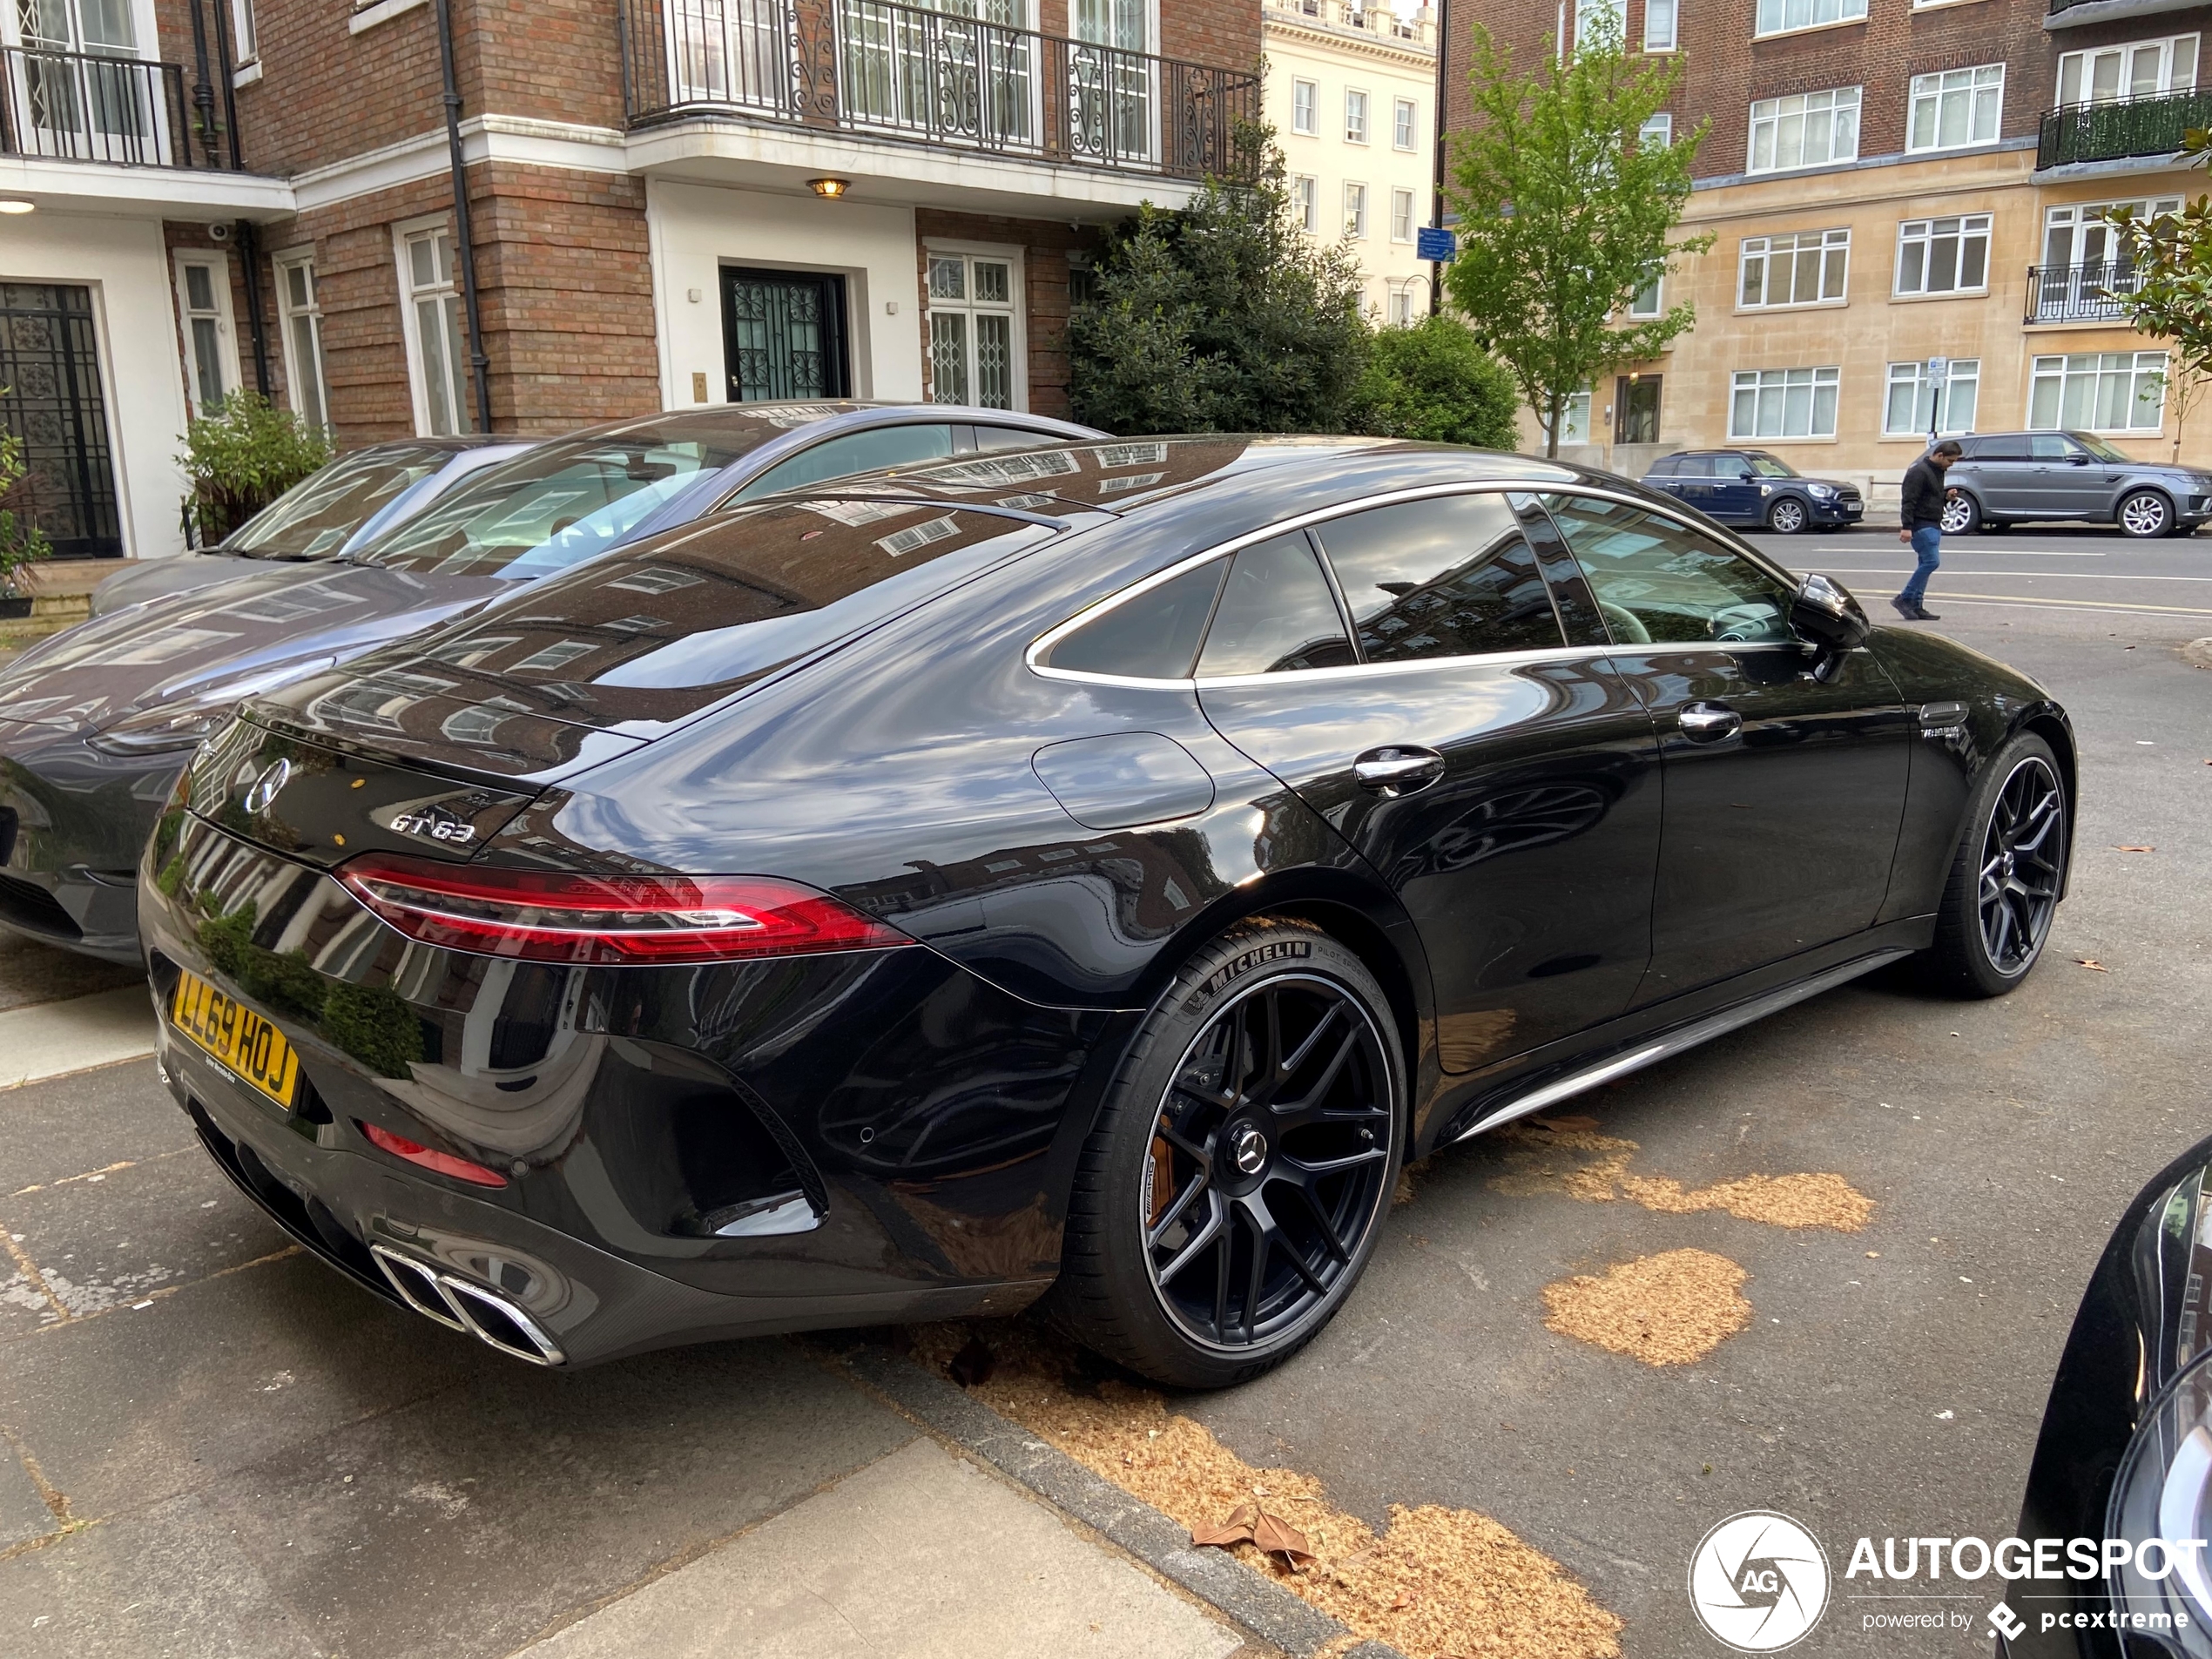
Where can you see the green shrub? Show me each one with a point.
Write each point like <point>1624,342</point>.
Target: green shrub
<point>1431,381</point>
<point>242,456</point>
<point>21,540</point>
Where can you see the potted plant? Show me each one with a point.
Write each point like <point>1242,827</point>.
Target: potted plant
<point>240,456</point>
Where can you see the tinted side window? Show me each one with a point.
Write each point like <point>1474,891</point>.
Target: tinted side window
<point>2049,446</point>
<point>1694,466</point>
<point>884,446</point>
<point>1152,637</point>
<point>1655,580</point>
<point>1275,614</point>
<point>1449,577</point>
<point>2012,449</point>
<point>1007,438</point>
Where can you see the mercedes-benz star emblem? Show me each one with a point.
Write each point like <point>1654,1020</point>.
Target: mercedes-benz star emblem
<point>265,788</point>
<point>1249,1147</point>
<point>1759,1582</point>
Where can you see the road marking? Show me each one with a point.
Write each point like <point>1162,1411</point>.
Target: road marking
<point>2041,576</point>
<point>54,1038</point>
<point>1948,598</point>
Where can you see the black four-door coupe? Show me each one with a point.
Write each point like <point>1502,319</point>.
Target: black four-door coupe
<point>1752,487</point>
<point>1100,865</point>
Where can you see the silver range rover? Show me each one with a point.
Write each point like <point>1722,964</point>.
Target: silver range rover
<point>2018,477</point>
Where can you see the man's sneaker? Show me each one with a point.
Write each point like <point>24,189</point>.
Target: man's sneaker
<point>1910,613</point>
<point>1921,613</point>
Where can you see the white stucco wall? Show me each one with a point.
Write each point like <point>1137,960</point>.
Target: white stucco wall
<point>698,229</point>
<point>122,261</point>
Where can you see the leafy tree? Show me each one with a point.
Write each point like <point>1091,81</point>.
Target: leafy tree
<point>242,456</point>
<point>1565,212</point>
<point>2170,297</point>
<point>1222,316</point>
<point>1431,381</point>
<point>21,540</point>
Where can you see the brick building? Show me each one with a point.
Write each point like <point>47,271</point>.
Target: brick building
<point>1889,183</point>
<point>669,202</point>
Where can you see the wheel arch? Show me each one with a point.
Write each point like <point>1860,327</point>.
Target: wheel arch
<point>2047,723</point>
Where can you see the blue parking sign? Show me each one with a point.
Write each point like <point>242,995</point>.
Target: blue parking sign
<point>1430,243</point>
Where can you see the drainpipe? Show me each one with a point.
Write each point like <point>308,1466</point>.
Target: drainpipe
<point>479,364</point>
<point>229,72</point>
<point>203,90</point>
<point>249,253</point>
<point>1436,203</point>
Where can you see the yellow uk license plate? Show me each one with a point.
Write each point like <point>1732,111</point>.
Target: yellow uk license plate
<point>247,1044</point>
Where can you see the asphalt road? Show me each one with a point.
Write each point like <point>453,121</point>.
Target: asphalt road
<point>1893,1394</point>
<point>212,1446</point>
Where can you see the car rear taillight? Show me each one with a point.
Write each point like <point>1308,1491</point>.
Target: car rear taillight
<point>640,920</point>
<point>442,1163</point>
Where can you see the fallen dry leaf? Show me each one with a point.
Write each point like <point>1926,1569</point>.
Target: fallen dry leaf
<point>2134,849</point>
<point>2092,962</point>
<point>1237,1530</point>
<point>1276,1536</point>
<point>972,1367</point>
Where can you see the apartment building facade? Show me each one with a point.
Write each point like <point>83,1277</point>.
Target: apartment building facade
<point>669,203</point>
<point>1890,183</point>
<point>1350,93</point>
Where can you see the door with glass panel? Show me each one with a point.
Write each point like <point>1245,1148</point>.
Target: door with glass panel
<point>2083,262</point>
<point>78,87</point>
<point>729,51</point>
<point>783,336</point>
<point>956,70</point>
<point>972,356</point>
<point>1112,102</point>
<point>2138,68</point>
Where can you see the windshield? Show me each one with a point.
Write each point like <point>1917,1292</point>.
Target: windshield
<point>1768,466</point>
<point>312,519</point>
<point>2098,447</point>
<point>558,505</point>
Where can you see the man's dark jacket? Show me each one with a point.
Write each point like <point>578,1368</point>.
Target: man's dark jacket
<point>1924,493</point>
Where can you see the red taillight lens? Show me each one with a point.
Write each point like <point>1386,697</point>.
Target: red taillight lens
<point>641,920</point>
<point>442,1163</point>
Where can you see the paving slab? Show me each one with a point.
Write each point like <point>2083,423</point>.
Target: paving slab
<point>53,1039</point>
<point>75,1125</point>
<point>921,1556</point>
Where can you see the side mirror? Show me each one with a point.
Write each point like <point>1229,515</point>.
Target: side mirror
<point>2079,459</point>
<point>1748,476</point>
<point>1824,615</point>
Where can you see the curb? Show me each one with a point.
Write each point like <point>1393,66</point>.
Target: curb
<point>1266,1609</point>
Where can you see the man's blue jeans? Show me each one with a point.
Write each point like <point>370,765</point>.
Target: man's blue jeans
<point>1927,542</point>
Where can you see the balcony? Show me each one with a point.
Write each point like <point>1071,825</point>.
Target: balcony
<point>2121,129</point>
<point>2074,14</point>
<point>77,106</point>
<point>871,70</point>
<point>2087,292</point>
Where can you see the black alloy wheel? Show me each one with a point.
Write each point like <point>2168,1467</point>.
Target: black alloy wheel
<point>2144,513</point>
<point>1788,517</point>
<point>2007,876</point>
<point>1232,1195</point>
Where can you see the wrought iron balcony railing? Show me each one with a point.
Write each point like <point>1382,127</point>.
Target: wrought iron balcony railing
<point>2086,292</point>
<point>908,73</point>
<point>2120,128</point>
<point>84,106</point>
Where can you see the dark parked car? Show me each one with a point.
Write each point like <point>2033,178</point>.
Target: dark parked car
<point>2016,477</point>
<point>346,504</point>
<point>96,723</point>
<point>2126,1449</point>
<point>1103,864</point>
<point>1752,487</point>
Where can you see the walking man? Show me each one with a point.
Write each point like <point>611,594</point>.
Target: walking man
<point>1925,496</point>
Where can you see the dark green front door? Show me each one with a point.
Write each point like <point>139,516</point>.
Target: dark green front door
<point>51,397</point>
<point>783,336</point>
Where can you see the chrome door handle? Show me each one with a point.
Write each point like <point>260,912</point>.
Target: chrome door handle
<point>1709,722</point>
<point>1398,769</point>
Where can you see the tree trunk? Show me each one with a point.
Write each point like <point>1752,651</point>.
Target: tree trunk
<point>1551,426</point>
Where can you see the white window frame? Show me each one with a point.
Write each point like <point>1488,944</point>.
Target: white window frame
<point>1649,301</point>
<point>1575,418</point>
<point>1404,124</point>
<point>1966,372</point>
<point>1402,215</point>
<point>1657,129</point>
<point>1355,210</point>
<point>1587,13</point>
<point>246,35</point>
<point>1780,382</point>
<point>1305,202</point>
<point>1398,305</point>
<point>1770,17</point>
<point>1971,227</point>
<point>1931,90</point>
<point>2057,370</point>
<point>313,372</point>
<point>462,387</point>
<point>1662,21</point>
<point>217,264</point>
<point>1775,113</point>
<point>1357,133</point>
<point>1306,100</point>
<point>1831,252</point>
<point>1016,307</point>
<point>2171,76</point>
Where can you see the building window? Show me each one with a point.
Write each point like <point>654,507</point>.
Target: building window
<point>302,329</point>
<point>973,331</point>
<point>1943,255</point>
<point>1779,17</point>
<point>1402,215</point>
<point>1956,109</point>
<point>1783,403</point>
<point>2140,69</point>
<point>1305,106</point>
<point>2084,233</point>
<point>1606,18</point>
<point>1658,25</point>
<point>1803,268</point>
<point>1650,300</point>
<point>438,353</point>
<point>1306,201</point>
<point>1806,129</point>
<point>1355,211</point>
<point>2108,391</point>
<point>1914,409</point>
<point>1401,124</point>
<point>1355,118</point>
<point>1401,306</point>
<point>246,42</point>
<point>1657,129</point>
<point>204,309</point>
<point>1574,419</point>
<point>1082,280</point>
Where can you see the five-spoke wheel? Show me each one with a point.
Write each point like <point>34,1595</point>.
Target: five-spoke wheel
<point>2006,875</point>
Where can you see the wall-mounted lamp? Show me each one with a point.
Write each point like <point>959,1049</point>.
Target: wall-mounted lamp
<point>829,189</point>
<point>15,205</point>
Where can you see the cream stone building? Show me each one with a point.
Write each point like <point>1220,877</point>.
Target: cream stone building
<point>1350,93</point>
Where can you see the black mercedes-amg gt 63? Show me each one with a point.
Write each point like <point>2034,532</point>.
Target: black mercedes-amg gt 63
<point>1089,870</point>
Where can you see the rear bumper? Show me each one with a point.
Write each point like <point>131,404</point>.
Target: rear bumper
<point>72,823</point>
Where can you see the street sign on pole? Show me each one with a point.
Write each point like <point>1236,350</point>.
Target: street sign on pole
<point>1938,372</point>
<point>1434,245</point>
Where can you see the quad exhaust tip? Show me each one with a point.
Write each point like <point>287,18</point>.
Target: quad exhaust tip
<point>459,1305</point>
